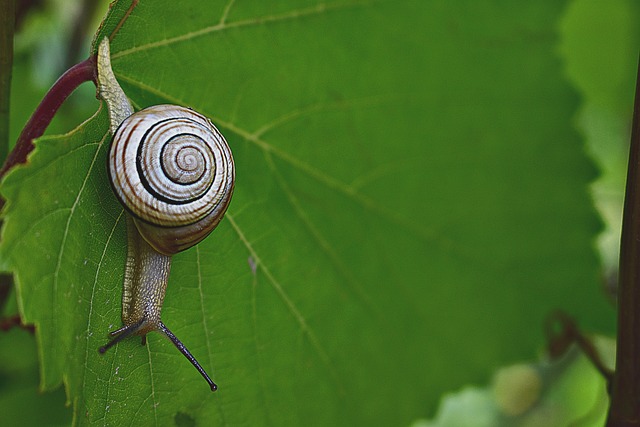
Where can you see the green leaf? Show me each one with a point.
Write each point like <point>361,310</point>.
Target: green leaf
<point>600,45</point>
<point>410,204</point>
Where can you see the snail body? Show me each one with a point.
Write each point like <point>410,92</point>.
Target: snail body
<point>173,172</point>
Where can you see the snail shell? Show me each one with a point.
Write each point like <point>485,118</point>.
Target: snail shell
<point>173,171</point>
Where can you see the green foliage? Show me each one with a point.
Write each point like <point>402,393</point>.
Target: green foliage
<point>600,45</point>
<point>410,204</point>
<point>20,404</point>
<point>564,392</point>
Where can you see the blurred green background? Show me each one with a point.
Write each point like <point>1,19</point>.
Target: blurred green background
<point>598,46</point>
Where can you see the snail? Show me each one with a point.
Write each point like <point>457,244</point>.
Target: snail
<point>173,172</point>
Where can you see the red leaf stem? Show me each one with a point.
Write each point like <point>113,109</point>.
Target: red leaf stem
<point>63,87</point>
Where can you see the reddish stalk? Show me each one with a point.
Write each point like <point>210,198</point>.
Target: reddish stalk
<point>39,121</point>
<point>8,323</point>
<point>569,334</point>
<point>83,72</point>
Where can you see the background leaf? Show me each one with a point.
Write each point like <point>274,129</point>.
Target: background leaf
<point>600,45</point>
<point>19,381</point>
<point>410,204</point>
<point>568,391</point>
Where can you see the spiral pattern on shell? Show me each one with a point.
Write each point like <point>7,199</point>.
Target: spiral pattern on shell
<point>170,167</point>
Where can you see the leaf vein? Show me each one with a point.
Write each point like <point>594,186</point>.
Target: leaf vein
<point>291,306</point>
<point>225,13</point>
<point>254,316</point>
<point>93,291</point>
<point>56,273</point>
<point>222,25</point>
<point>204,320</point>
<point>153,387</point>
<point>349,191</point>
<point>325,246</point>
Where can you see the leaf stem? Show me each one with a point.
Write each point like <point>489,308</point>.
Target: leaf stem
<point>8,323</point>
<point>570,334</point>
<point>82,72</point>
<point>625,392</point>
